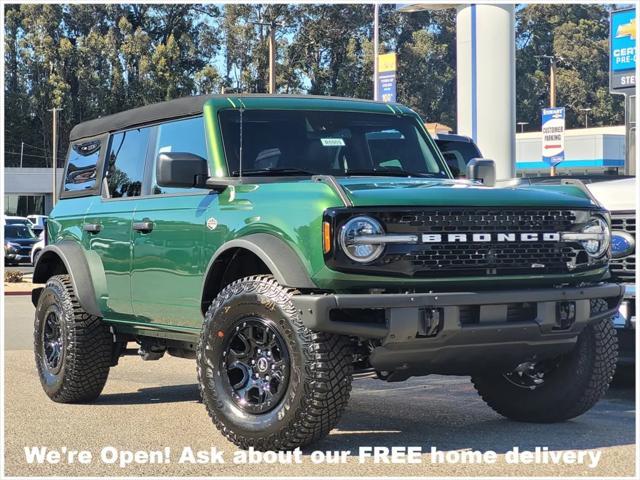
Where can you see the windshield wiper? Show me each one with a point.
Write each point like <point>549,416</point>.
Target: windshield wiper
<point>272,171</point>
<point>387,173</point>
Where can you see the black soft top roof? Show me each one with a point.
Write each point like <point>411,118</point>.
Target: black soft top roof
<point>172,109</point>
<point>180,107</point>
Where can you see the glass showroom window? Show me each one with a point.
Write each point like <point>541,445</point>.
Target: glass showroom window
<point>23,205</point>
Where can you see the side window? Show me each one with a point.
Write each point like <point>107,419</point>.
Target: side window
<point>81,168</point>
<point>125,162</point>
<point>178,136</point>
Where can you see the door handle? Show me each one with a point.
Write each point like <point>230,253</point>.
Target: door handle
<point>92,227</point>
<point>143,227</point>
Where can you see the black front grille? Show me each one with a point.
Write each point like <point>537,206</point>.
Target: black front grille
<point>440,258</point>
<point>533,256</point>
<point>624,269</point>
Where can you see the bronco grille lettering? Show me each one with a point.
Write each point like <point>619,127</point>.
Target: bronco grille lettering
<point>489,237</point>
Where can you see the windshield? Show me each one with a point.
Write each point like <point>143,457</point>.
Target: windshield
<point>18,231</point>
<point>303,142</point>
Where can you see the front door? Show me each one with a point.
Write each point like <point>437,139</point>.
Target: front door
<point>168,237</point>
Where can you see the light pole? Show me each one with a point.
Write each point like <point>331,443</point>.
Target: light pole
<point>376,12</point>
<point>586,116</point>
<point>521,125</point>
<point>54,163</point>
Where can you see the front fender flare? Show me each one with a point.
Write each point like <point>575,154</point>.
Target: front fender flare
<point>86,275</point>
<point>281,260</point>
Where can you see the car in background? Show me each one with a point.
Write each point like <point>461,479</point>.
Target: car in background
<point>19,240</point>
<point>37,250</point>
<point>457,151</point>
<point>13,220</point>
<point>38,221</point>
<point>619,197</point>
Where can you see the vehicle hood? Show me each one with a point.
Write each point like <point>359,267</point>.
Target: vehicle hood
<point>615,195</point>
<point>25,242</point>
<point>393,191</point>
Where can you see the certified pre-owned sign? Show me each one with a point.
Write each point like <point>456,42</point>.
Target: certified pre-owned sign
<point>553,135</point>
<point>622,54</point>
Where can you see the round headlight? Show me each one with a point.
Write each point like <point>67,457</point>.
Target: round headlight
<point>354,245</point>
<point>597,248</point>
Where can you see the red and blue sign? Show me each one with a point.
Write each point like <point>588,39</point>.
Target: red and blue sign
<point>553,135</point>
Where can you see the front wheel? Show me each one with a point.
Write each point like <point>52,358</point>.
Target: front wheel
<point>557,389</point>
<point>267,381</point>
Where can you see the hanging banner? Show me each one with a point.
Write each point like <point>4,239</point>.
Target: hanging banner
<point>387,77</point>
<point>553,135</point>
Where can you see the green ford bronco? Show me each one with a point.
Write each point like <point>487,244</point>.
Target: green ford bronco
<point>284,241</point>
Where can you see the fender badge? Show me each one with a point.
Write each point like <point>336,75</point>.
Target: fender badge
<point>212,223</point>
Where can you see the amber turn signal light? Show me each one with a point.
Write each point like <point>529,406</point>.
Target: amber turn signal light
<point>326,237</point>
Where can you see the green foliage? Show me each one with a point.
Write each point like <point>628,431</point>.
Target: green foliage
<point>92,60</point>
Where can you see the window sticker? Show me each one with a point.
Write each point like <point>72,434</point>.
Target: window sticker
<point>332,142</point>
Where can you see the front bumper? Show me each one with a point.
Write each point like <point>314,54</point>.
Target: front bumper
<point>489,336</point>
<point>17,258</point>
<point>624,320</point>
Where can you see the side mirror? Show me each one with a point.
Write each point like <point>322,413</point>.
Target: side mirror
<point>483,170</point>
<point>181,169</point>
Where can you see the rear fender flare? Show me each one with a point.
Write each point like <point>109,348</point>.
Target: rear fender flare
<point>84,268</point>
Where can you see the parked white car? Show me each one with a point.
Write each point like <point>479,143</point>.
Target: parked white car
<point>619,197</point>
<point>36,251</point>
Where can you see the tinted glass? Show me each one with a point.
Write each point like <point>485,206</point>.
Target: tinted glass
<point>330,143</point>
<point>18,231</point>
<point>125,162</point>
<point>464,150</point>
<point>179,136</point>
<point>81,168</point>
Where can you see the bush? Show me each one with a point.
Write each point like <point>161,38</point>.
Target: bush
<point>13,276</point>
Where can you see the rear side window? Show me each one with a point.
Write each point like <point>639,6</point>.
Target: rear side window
<point>82,167</point>
<point>178,136</point>
<point>125,162</point>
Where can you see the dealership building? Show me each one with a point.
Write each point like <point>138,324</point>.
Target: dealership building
<point>27,191</point>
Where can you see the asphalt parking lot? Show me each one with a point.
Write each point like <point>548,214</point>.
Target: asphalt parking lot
<point>153,405</point>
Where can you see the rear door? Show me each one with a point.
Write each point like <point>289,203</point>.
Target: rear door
<point>168,235</point>
<point>107,225</point>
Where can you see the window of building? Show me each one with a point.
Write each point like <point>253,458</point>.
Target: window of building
<point>179,136</point>
<point>82,166</point>
<point>125,163</point>
<point>23,205</point>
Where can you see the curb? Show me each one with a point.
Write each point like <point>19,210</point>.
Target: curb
<point>6,294</point>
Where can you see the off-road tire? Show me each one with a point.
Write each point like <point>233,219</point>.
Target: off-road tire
<point>87,346</point>
<point>581,378</point>
<point>320,370</point>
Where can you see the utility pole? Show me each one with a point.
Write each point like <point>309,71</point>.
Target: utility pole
<point>552,97</point>
<point>272,52</point>
<point>272,58</point>
<point>54,163</point>
<point>21,152</point>
<point>376,11</point>
<point>552,90</point>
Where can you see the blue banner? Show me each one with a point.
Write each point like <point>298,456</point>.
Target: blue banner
<point>387,86</point>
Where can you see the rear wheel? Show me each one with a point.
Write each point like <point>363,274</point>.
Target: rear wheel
<point>558,389</point>
<point>73,349</point>
<point>267,381</point>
